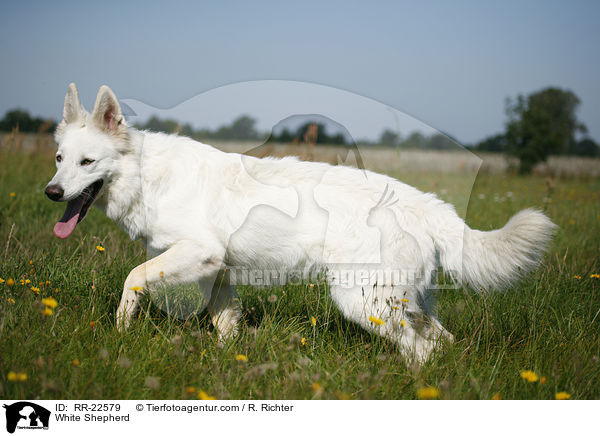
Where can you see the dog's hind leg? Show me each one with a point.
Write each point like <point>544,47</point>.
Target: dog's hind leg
<point>185,262</point>
<point>224,308</point>
<point>373,311</point>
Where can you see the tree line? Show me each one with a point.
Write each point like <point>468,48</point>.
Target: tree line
<point>541,124</point>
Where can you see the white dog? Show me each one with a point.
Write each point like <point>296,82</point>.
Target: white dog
<point>204,215</point>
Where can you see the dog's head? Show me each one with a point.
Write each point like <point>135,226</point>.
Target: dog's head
<point>88,153</point>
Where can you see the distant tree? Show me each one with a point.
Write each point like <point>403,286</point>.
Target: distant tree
<point>415,140</point>
<point>18,118</point>
<point>586,147</point>
<point>544,123</point>
<point>439,142</point>
<point>389,138</point>
<point>496,143</point>
<point>322,136</point>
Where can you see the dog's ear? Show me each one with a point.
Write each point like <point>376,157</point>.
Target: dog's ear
<point>73,110</point>
<point>107,114</point>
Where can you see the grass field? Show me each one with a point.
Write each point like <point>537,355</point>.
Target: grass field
<point>549,323</point>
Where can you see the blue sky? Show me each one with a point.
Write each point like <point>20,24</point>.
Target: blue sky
<point>449,64</point>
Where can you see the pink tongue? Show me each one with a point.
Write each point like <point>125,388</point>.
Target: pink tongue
<point>67,223</point>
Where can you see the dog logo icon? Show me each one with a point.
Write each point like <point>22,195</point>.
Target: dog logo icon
<point>26,415</point>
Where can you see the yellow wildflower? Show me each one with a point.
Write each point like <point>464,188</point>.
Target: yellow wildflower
<point>190,390</point>
<point>47,282</point>
<point>497,396</point>
<point>47,311</point>
<point>204,396</point>
<point>137,288</point>
<point>12,194</point>
<point>403,323</point>
<point>75,362</point>
<point>303,341</point>
<point>16,376</point>
<point>428,393</point>
<point>1,280</point>
<point>35,289</point>
<point>10,300</point>
<point>577,277</point>
<point>317,388</point>
<point>595,276</point>
<point>241,358</point>
<point>162,274</point>
<point>562,396</point>
<point>530,376</point>
<point>10,282</point>
<point>376,321</point>
<point>100,248</point>
<point>50,302</point>
<point>404,300</point>
<point>312,285</point>
<point>543,380</point>
<point>313,321</point>
<point>27,281</point>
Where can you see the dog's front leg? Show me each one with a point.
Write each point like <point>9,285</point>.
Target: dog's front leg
<point>183,263</point>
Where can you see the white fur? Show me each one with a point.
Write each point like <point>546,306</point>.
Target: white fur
<point>200,211</point>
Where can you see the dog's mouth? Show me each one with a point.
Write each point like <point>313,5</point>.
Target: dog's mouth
<point>76,210</point>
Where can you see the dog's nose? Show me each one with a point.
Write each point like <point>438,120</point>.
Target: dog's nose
<point>54,192</point>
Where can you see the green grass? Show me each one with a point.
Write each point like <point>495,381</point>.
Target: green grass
<point>548,323</point>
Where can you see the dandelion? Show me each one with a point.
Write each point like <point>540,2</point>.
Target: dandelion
<point>75,362</point>
<point>403,323</point>
<point>152,383</point>
<point>317,388</point>
<point>202,395</point>
<point>47,311</point>
<point>100,248</point>
<point>190,390</point>
<point>595,276</point>
<point>241,358</point>
<point>10,282</point>
<point>376,321</point>
<point>10,300</point>
<point>428,393</point>
<point>529,376</point>
<point>12,194</point>
<point>50,302</point>
<point>497,396</point>
<point>16,376</point>
<point>103,354</point>
<point>123,362</point>
<point>137,288</point>
<point>313,321</point>
<point>562,396</point>
<point>272,298</point>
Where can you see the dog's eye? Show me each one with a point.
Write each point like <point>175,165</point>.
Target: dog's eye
<point>58,158</point>
<point>86,162</point>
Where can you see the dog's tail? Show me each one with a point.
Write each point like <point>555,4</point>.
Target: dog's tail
<point>497,258</point>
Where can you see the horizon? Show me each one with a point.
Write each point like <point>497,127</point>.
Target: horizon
<point>449,67</point>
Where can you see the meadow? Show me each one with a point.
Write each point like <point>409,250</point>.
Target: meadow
<point>58,299</point>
